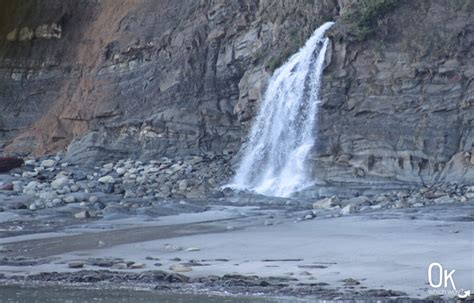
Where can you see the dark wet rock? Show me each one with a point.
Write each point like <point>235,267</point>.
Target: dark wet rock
<point>383,293</point>
<point>9,163</point>
<point>312,266</point>
<point>101,262</point>
<point>76,264</point>
<point>350,282</point>
<point>18,205</point>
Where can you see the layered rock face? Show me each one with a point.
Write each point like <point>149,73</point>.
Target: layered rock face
<point>145,79</point>
<point>400,104</point>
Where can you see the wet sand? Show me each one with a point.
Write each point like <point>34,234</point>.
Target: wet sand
<point>389,250</point>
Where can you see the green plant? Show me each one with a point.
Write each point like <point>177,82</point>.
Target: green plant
<point>362,18</point>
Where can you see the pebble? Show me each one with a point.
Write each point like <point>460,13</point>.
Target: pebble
<point>326,203</point>
<point>192,249</point>
<point>69,199</point>
<point>6,186</point>
<point>137,265</point>
<point>59,183</point>
<point>120,265</point>
<point>106,180</point>
<point>48,163</point>
<point>30,162</point>
<point>82,215</point>
<point>171,247</point>
<point>120,171</point>
<point>180,268</point>
<point>76,264</point>
<point>348,209</point>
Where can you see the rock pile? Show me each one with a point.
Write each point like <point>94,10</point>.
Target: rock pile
<point>51,182</point>
<point>445,193</point>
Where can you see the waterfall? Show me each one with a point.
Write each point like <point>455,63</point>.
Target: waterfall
<point>282,135</point>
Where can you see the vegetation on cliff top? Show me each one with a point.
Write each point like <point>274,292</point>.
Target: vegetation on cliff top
<point>361,19</point>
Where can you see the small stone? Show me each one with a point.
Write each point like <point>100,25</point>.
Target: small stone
<point>171,247</point>
<point>93,199</point>
<point>183,185</point>
<point>29,174</point>
<point>57,202</point>
<point>26,34</point>
<point>120,265</point>
<point>443,200</point>
<point>137,265</point>
<point>74,188</point>
<point>120,171</point>
<point>106,180</point>
<point>82,215</point>
<point>48,163</point>
<point>12,36</point>
<point>59,183</point>
<point>108,166</point>
<point>418,204</point>
<point>326,203</point>
<point>18,205</point>
<point>230,227</point>
<point>30,162</point>
<point>180,268</point>
<point>348,209</point>
<point>33,207</point>
<point>76,264</point>
<point>350,282</point>
<point>69,199</point>
<point>193,249</point>
<point>6,186</point>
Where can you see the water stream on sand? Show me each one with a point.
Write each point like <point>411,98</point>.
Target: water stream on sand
<point>282,134</point>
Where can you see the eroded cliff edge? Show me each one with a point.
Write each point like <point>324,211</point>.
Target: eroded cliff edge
<point>146,78</point>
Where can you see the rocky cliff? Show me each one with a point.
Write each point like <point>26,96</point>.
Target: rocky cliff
<point>143,78</point>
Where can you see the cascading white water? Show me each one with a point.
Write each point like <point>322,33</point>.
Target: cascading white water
<point>282,135</point>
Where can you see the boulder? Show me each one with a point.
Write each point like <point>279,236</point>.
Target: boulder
<point>106,180</point>
<point>60,182</point>
<point>443,200</point>
<point>326,203</point>
<point>9,163</point>
<point>48,163</point>
<point>347,210</point>
<point>82,215</point>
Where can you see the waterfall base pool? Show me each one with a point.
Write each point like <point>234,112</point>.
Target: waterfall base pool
<point>52,294</point>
